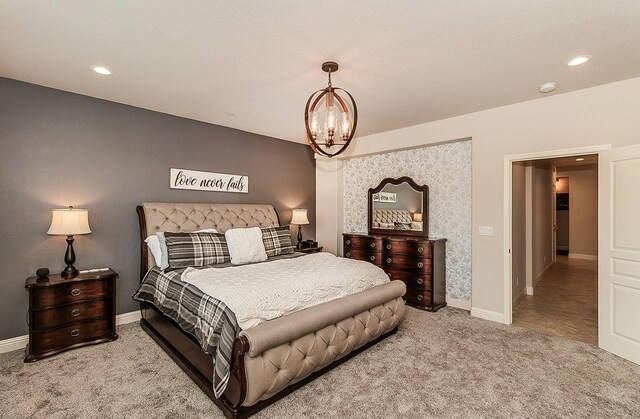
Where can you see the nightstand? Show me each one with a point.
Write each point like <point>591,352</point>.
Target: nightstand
<point>68,313</point>
<point>310,249</point>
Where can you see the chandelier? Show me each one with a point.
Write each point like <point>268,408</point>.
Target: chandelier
<point>329,119</point>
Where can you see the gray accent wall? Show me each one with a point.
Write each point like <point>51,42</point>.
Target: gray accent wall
<point>59,149</point>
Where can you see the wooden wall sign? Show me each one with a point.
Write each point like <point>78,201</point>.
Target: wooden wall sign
<point>207,181</point>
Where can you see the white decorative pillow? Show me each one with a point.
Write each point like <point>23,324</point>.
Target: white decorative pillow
<point>163,260</point>
<point>245,245</point>
<point>154,246</point>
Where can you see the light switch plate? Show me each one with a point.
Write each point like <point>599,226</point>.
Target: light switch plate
<point>486,231</point>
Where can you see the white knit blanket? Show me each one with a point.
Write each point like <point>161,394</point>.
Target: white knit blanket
<point>268,290</point>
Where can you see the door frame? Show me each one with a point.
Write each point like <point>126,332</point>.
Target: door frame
<point>508,210</point>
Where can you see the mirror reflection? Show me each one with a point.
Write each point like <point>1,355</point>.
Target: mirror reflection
<point>397,207</point>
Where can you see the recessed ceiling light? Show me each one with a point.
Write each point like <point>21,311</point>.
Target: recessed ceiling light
<point>101,70</point>
<point>580,159</point>
<point>230,113</point>
<point>581,59</point>
<point>548,87</point>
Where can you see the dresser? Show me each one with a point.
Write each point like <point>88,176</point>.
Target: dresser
<point>69,313</point>
<point>418,262</point>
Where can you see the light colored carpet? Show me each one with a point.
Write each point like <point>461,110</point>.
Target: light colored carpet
<point>444,364</point>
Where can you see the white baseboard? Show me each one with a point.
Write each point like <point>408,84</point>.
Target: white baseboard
<point>529,290</point>
<point>581,256</point>
<point>130,317</point>
<point>462,304</point>
<point>493,316</point>
<point>19,342</point>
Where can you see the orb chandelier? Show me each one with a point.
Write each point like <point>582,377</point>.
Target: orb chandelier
<point>330,119</point>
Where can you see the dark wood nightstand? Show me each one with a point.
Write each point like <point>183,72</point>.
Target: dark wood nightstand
<point>69,313</point>
<point>310,249</point>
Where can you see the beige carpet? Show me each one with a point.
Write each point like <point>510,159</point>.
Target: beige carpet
<point>444,364</point>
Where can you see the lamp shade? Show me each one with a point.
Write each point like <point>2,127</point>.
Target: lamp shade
<point>299,216</point>
<point>417,216</point>
<point>69,221</point>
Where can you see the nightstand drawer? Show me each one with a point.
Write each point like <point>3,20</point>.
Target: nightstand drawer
<point>415,280</point>
<point>359,254</point>
<point>416,264</point>
<point>68,293</point>
<point>70,335</point>
<point>53,317</point>
<point>418,297</point>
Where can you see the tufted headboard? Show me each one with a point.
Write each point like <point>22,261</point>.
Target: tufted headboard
<point>185,217</point>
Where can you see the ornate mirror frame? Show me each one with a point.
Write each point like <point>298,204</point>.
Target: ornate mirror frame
<point>425,208</point>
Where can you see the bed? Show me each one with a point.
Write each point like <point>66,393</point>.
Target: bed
<point>275,357</point>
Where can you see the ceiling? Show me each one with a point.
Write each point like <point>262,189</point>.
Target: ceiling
<point>405,62</point>
<point>577,162</point>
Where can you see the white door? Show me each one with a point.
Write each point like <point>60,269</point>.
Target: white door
<point>619,252</point>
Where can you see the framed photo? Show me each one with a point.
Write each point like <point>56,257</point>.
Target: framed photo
<point>387,197</point>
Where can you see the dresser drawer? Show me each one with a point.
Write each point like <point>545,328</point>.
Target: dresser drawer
<point>409,247</point>
<point>415,280</point>
<point>363,242</point>
<point>71,334</point>
<point>359,254</point>
<point>52,317</point>
<point>415,264</point>
<point>69,293</point>
<point>418,297</point>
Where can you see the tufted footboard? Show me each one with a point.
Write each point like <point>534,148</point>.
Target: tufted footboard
<point>289,349</point>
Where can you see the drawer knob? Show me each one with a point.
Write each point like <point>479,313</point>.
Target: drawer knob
<point>389,246</point>
<point>420,281</point>
<point>372,258</point>
<point>75,332</point>
<point>420,249</point>
<point>388,260</point>
<point>75,312</point>
<point>348,255</point>
<point>420,297</point>
<point>75,292</point>
<point>420,264</point>
<point>373,244</point>
<point>348,242</point>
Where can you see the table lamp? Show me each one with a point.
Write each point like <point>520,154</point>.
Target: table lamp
<point>417,216</point>
<point>67,222</point>
<point>299,217</point>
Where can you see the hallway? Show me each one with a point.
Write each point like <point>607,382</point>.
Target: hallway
<point>565,301</point>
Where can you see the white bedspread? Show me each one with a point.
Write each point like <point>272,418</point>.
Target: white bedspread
<point>268,290</point>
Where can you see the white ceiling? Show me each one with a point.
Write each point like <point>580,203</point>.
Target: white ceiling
<point>405,62</point>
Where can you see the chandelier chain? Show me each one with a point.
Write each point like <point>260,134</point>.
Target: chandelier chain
<point>329,78</point>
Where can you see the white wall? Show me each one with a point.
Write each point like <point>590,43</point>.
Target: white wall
<point>583,210</point>
<point>519,230</point>
<point>542,213</point>
<point>605,114</point>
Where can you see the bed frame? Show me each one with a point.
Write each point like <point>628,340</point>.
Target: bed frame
<point>185,350</point>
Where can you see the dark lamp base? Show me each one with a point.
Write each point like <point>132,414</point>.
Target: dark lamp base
<point>69,272</point>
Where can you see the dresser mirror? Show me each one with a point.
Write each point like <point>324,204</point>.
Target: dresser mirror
<point>399,207</point>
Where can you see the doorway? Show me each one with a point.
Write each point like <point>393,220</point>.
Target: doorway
<point>553,243</point>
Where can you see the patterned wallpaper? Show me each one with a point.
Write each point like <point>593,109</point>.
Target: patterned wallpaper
<point>446,169</point>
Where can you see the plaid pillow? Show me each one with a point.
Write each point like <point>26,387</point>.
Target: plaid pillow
<point>277,240</point>
<point>196,249</point>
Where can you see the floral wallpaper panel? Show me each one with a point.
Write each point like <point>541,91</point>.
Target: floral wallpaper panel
<point>446,169</point>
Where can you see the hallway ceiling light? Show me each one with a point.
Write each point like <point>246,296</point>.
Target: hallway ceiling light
<point>330,128</point>
<point>548,87</point>
<point>579,60</point>
<point>101,70</point>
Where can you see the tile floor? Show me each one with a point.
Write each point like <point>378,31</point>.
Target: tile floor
<point>565,301</point>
